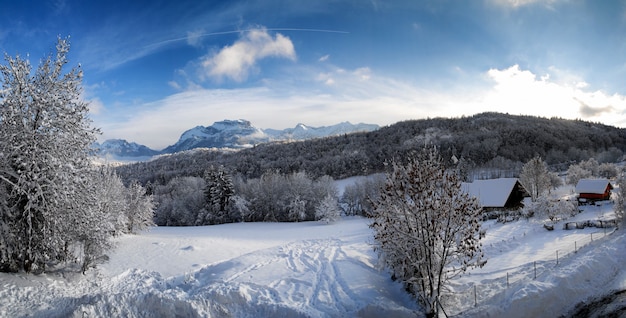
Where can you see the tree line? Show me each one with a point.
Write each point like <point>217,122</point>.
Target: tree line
<point>218,198</point>
<point>484,146</point>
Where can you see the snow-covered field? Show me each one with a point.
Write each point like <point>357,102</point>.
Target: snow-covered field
<point>310,269</point>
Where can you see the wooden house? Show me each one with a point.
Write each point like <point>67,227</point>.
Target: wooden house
<point>497,194</point>
<point>591,190</point>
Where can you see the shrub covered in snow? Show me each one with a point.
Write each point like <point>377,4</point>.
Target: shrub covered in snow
<point>427,229</point>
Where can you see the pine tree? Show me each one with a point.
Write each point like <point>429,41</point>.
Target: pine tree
<point>218,192</point>
<point>45,139</point>
<point>427,229</point>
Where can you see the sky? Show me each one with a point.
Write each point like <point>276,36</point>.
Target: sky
<point>153,69</point>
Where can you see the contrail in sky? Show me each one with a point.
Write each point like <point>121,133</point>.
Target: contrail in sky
<point>246,30</point>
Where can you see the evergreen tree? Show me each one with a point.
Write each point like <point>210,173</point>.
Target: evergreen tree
<point>427,229</point>
<point>218,192</point>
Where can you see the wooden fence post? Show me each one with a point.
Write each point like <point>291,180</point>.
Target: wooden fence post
<point>557,257</point>
<point>475,302</point>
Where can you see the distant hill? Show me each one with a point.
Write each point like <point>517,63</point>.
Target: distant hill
<point>495,140</point>
<point>123,148</point>
<point>230,134</point>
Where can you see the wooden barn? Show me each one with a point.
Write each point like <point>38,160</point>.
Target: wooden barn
<point>497,194</point>
<point>591,190</point>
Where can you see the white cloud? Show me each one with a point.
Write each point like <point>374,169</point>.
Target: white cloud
<point>324,58</point>
<point>193,37</point>
<point>235,61</point>
<point>521,92</point>
<point>363,73</point>
<point>361,95</point>
<point>521,3</point>
<point>95,106</point>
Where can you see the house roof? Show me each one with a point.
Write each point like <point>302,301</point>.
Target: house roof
<point>491,193</point>
<point>592,186</point>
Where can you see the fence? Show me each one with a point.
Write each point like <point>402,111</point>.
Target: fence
<point>456,302</point>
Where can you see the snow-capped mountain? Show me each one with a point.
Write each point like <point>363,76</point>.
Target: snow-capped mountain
<point>222,134</point>
<point>241,134</point>
<point>234,134</point>
<point>303,132</point>
<point>123,148</point>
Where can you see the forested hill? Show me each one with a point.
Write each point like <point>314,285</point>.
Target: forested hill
<point>488,139</point>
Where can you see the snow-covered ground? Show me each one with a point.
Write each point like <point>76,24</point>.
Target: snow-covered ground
<point>240,270</point>
<point>310,269</point>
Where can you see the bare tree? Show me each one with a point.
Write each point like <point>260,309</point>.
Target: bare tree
<point>427,229</point>
<point>535,177</point>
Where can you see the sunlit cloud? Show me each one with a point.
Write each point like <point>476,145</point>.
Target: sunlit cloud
<point>522,92</point>
<point>236,61</point>
<point>362,95</point>
<point>324,58</point>
<point>521,3</point>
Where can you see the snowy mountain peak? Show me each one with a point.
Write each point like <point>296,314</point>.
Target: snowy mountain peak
<point>123,148</point>
<point>230,134</point>
<point>241,134</point>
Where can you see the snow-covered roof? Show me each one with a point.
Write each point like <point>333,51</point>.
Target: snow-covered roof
<point>592,186</point>
<point>491,193</point>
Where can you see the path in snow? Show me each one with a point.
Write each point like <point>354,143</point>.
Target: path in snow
<point>235,270</point>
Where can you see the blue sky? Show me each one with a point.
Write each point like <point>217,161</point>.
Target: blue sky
<point>156,68</point>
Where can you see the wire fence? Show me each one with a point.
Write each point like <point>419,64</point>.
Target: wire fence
<point>493,289</point>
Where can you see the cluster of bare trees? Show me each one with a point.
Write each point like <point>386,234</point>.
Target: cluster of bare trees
<point>219,198</point>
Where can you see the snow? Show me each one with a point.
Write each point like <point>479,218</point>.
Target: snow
<point>244,270</point>
<point>492,192</point>
<point>597,186</point>
<point>308,269</point>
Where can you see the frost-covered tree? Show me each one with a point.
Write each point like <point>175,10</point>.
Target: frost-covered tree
<point>620,200</point>
<point>110,201</point>
<point>356,198</point>
<point>575,173</point>
<point>179,201</point>
<point>607,170</point>
<point>427,229</point>
<point>45,171</point>
<point>535,177</point>
<point>139,209</point>
<point>328,210</point>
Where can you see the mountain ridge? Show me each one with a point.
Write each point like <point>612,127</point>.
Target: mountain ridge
<point>229,134</point>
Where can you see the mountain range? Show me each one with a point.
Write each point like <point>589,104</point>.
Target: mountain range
<point>231,134</point>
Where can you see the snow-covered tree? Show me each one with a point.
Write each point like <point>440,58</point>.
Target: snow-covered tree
<point>179,201</point>
<point>620,200</point>
<point>575,173</point>
<point>535,177</point>
<point>356,198</point>
<point>45,171</point>
<point>218,191</point>
<point>110,201</point>
<point>139,208</point>
<point>297,209</point>
<point>328,210</point>
<point>427,229</point>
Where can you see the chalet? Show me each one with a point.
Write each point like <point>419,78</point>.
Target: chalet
<point>497,194</point>
<point>591,190</point>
